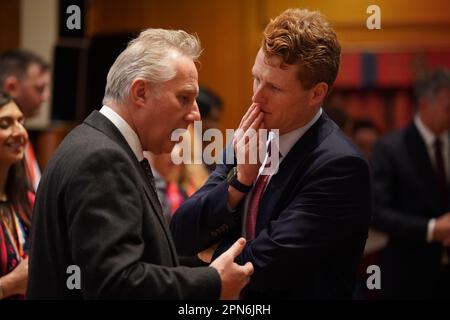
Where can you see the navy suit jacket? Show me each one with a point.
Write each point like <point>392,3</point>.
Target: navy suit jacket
<point>406,198</point>
<point>96,209</point>
<point>312,222</point>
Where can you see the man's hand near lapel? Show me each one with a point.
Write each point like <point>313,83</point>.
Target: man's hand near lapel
<point>233,276</point>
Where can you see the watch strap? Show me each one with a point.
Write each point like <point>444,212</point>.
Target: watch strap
<point>235,183</point>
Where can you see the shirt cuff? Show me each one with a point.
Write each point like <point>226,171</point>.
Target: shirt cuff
<point>430,230</point>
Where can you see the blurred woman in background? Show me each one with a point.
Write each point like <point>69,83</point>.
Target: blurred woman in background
<point>16,201</point>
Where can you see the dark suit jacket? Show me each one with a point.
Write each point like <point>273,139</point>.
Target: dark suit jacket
<point>406,198</point>
<point>312,223</point>
<point>96,209</point>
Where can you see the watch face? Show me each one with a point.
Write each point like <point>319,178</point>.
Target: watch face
<point>231,175</point>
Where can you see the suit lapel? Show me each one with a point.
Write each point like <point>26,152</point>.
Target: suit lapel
<point>153,197</point>
<point>418,154</point>
<point>291,164</point>
<point>100,122</point>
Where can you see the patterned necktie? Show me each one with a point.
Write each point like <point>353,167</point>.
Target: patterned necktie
<point>258,191</point>
<point>253,207</point>
<point>148,172</point>
<point>440,170</point>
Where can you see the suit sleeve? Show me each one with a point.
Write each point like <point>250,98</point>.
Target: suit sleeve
<point>326,220</point>
<point>205,218</point>
<point>329,216</point>
<point>104,221</point>
<point>394,222</point>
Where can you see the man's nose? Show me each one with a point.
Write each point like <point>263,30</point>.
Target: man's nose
<point>195,112</point>
<point>258,95</point>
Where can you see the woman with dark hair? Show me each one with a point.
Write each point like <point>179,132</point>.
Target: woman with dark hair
<point>16,201</point>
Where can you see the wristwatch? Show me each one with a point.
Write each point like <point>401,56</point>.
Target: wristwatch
<point>234,182</point>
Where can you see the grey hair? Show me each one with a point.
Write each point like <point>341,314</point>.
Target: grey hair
<point>149,57</point>
<point>433,81</point>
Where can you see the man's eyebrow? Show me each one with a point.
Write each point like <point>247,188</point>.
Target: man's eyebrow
<point>189,90</point>
<point>273,84</point>
<point>267,82</point>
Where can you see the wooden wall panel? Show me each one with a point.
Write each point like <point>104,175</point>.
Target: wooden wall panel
<point>230,32</point>
<point>353,12</point>
<point>9,24</point>
<point>404,24</point>
<point>227,29</point>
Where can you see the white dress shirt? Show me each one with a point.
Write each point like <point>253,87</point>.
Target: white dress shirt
<point>429,138</point>
<point>128,133</point>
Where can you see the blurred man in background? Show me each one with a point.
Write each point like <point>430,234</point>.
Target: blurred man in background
<point>411,169</point>
<point>210,107</point>
<point>365,135</point>
<point>26,78</point>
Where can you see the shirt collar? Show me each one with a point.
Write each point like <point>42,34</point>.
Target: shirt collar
<point>128,133</point>
<point>428,136</point>
<point>288,140</point>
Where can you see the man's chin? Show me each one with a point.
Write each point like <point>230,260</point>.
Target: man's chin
<point>269,125</point>
<point>168,147</point>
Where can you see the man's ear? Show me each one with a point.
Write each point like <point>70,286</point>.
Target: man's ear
<point>11,86</point>
<point>319,93</point>
<point>139,89</point>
